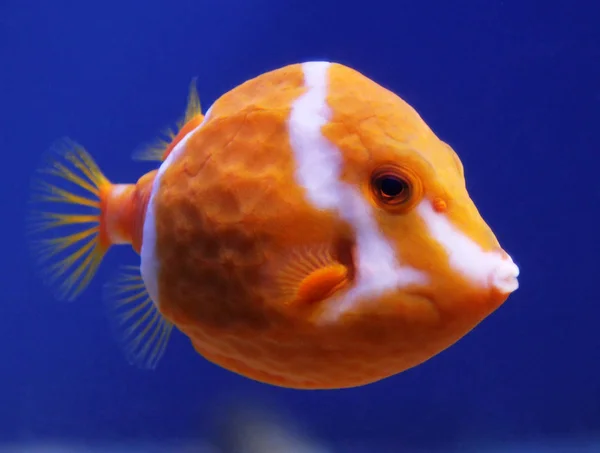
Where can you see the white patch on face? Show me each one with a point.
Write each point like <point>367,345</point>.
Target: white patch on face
<point>319,165</point>
<point>484,269</point>
<point>149,265</point>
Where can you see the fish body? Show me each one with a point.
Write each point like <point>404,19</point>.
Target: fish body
<point>309,231</point>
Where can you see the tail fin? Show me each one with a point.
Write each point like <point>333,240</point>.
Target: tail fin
<point>68,244</point>
<point>160,148</point>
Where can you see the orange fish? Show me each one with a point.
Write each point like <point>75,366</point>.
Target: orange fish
<point>310,231</point>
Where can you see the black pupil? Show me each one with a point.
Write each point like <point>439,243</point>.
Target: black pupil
<point>391,187</point>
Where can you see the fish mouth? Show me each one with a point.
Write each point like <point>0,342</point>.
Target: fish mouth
<point>504,278</point>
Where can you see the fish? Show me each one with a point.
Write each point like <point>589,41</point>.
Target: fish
<point>308,231</point>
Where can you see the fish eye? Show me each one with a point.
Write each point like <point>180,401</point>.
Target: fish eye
<point>390,187</point>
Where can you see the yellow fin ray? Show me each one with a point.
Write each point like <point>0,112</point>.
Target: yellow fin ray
<point>64,219</point>
<point>155,150</point>
<point>140,328</point>
<point>194,108</point>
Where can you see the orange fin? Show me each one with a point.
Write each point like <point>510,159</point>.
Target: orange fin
<point>158,150</point>
<point>138,325</point>
<point>311,275</point>
<point>64,219</point>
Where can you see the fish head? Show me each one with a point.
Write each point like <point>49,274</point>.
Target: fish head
<point>417,236</point>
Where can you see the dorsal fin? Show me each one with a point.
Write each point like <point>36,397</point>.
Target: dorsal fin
<point>159,149</point>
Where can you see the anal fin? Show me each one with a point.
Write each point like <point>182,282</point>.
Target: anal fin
<point>139,326</point>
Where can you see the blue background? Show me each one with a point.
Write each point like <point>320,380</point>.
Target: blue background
<point>512,85</point>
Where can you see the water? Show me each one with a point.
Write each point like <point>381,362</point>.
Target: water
<point>511,85</point>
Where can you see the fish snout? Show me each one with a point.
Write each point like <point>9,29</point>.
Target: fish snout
<point>504,275</point>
